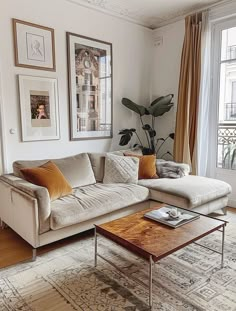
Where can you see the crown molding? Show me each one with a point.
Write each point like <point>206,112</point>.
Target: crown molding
<point>224,9</point>
<point>220,9</point>
<point>100,8</point>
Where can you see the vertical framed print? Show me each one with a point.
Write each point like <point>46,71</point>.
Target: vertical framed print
<point>39,108</point>
<point>34,46</point>
<point>90,87</point>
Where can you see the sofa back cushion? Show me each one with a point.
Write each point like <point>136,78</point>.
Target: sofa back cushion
<point>98,165</point>
<point>77,169</point>
<point>18,165</point>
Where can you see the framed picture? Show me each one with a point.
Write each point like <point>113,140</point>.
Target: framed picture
<point>90,87</point>
<point>39,108</point>
<point>34,46</point>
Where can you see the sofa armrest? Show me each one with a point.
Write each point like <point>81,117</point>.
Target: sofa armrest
<point>41,194</point>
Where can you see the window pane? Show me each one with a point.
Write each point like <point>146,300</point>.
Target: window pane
<point>227,100</point>
<point>228,47</point>
<point>234,92</point>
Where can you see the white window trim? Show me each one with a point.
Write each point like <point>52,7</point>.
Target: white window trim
<point>217,27</point>
<point>3,146</point>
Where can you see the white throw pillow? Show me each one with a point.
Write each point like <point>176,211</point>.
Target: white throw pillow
<point>120,169</point>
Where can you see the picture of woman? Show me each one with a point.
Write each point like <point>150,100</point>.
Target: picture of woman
<point>41,112</point>
<point>40,108</point>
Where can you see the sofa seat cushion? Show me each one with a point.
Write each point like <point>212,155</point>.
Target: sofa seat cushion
<point>92,201</point>
<point>188,192</point>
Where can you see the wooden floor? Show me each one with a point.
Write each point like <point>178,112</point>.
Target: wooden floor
<point>13,249</point>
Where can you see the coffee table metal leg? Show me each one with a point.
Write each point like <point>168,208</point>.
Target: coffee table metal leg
<point>222,248</point>
<point>95,247</point>
<point>150,281</point>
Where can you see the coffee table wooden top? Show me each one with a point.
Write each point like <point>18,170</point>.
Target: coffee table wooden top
<point>147,237</point>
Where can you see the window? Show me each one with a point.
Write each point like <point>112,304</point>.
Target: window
<point>226,157</point>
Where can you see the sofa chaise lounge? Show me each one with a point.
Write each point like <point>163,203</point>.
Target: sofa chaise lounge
<point>27,208</point>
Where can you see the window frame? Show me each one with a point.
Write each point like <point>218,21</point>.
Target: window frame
<point>216,39</point>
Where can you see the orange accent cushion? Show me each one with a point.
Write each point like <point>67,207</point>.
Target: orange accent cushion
<point>147,166</point>
<point>49,176</point>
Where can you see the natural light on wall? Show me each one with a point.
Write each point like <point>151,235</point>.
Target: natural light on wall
<point>227,101</point>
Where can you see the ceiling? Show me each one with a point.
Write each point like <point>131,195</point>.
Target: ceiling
<point>148,13</point>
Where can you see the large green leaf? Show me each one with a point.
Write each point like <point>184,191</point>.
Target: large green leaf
<point>226,154</point>
<point>233,158</point>
<point>127,131</point>
<point>161,106</point>
<point>156,100</point>
<point>141,110</point>
<point>160,139</point>
<point>159,109</point>
<point>126,136</point>
<point>124,140</point>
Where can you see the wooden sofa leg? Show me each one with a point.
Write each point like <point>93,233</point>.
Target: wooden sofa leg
<point>34,254</point>
<point>224,210</point>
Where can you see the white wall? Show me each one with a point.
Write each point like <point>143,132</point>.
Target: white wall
<point>166,67</point>
<point>132,46</point>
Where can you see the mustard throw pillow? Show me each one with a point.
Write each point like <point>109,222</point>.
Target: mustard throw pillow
<point>49,176</point>
<point>147,166</point>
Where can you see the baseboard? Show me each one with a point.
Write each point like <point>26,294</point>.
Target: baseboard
<point>232,203</point>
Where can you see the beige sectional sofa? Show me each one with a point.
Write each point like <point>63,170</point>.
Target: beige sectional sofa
<point>27,209</point>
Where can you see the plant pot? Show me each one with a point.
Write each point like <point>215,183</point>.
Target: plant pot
<point>147,151</point>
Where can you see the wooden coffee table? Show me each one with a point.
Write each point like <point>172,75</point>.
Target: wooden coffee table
<point>153,241</point>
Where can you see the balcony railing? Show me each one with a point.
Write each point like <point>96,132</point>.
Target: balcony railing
<point>227,146</point>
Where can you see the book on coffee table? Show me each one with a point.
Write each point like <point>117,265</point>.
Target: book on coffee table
<point>164,216</point>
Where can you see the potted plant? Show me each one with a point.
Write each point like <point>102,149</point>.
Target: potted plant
<point>157,108</point>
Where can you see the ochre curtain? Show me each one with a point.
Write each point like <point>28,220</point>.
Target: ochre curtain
<point>188,97</point>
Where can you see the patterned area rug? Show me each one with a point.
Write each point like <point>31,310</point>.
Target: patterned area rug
<point>65,279</point>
